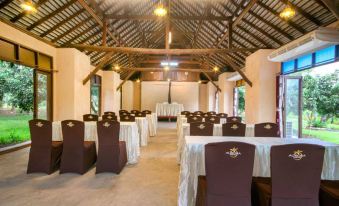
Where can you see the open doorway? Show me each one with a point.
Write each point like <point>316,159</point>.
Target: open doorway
<point>239,99</point>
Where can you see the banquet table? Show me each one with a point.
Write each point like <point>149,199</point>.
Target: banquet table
<point>166,109</point>
<point>193,160</point>
<point>184,130</point>
<point>152,124</point>
<point>128,133</point>
<point>142,123</point>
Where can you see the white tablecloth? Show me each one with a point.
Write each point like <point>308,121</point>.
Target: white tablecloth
<point>142,123</point>
<point>152,124</point>
<point>128,133</point>
<point>217,131</point>
<point>165,109</point>
<point>193,160</point>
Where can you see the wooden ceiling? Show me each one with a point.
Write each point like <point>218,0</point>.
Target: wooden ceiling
<point>194,24</point>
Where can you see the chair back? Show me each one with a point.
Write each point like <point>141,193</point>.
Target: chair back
<point>41,133</point>
<point>110,113</point>
<point>185,113</point>
<point>191,119</point>
<point>266,129</point>
<point>213,119</point>
<point>296,171</point>
<point>122,111</point>
<point>236,129</point>
<point>229,169</point>
<point>127,118</point>
<point>189,114</point>
<point>233,119</point>
<point>147,111</point>
<point>198,113</point>
<point>73,133</point>
<point>108,133</point>
<point>140,114</point>
<point>211,113</point>
<point>134,111</point>
<point>201,129</point>
<point>90,117</point>
<point>109,117</point>
<point>222,115</point>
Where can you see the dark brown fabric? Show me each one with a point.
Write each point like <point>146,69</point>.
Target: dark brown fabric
<point>329,193</point>
<point>109,117</point>
<point>229,168</point>
<point>201,191</point>
<point>135,111</point>
<point>233,119</point>
<point>78,156</point>
<point>112,154</point>
<point>184,112</point>
<point>198,113</point>
<point>127,118</point>
<point>90,117</point>
<point>147,111</point>
<point>140,114</point>
<point>211,113</point>
<point>266,129</point>
<point>189,115</point>
<point>222,115</point>
<point>201,129</point>
<point>44,154</point>
<point>234,129</point>
<point>212,119</point>
<point>123,112</point>
<point>110,113</point>
<point>191,119</point>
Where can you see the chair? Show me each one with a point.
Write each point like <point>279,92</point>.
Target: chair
<point>211,113</point>
<point>198,113</point>
<point>109,117</point>
<point>134,111</point>
<point>266,129</point>
<point>201,129</point>
<point>212,119</point>
<point>222,115</point>
<point>90,117</point>
<point>229,168</point>
<point>191,119</point>
<point>127,118</point>
<point>329,193</point>
<point>123,112</point>
<point>110,113</point>
<point>147,111</point>
<point>233,119</point>
<point>78,156</point>
<point>185,113</point>
<point>295,172</point>
<point>235,129</point>
<point>189,115</point>
<point>45,154</point>
<point>112,155</point>
<point>140,114</point>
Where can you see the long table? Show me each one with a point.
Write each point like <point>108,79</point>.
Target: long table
<point>165,109</point>
<point>128,133</point>
<point>193,160</point>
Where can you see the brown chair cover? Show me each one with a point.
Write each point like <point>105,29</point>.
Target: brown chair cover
<point>189,115</point>
<point>329,193</point>
<point>78,156</point>
<point>295,171</point>
<point>110,113</point>
<point>266,129</point>
<point>201,129</point>
<point>147,111</point>
<point>140,114</point>
<point>123,112</point>
<point>112,155</point>
<point>191,119</point>
<point>234,129</point>
<point>229,168</point>
<point>233,119</point>
<point>44,155</point>
<point>222,115</point>
<point>90,117</point>
<point>185,113</point>
<point>213,119</point>
<point>198,113</point>
<point>211,113</point>
<point>127,118</point>
<point>134,111</point>
<point>109,117</point>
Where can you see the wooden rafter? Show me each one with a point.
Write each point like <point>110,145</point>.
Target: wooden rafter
<point>104,61</point>
<point>127,77</point>
<point>333,6</point>
<point>157,69</point>
<point>174,17</point>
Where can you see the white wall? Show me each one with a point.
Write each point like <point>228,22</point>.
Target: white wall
<point>226,94</point>
<point>210,96</point>
<point>127,95</point>
<point>186,93</point>
<point>203,105</point>
<point>110,97</point>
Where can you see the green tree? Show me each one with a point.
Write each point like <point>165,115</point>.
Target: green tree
<point>310,95</point>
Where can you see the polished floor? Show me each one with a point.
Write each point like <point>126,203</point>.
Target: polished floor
<point>153,181</point>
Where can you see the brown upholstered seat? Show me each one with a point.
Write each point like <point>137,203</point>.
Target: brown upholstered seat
<point>329,193</point>
<point>109,117</point>
<point>222,115</point>
<point>213,119</point>
<point>110,113</point>
<point>229,168</point>
<point>78,156</point>
<point>147,111</point>
<point>266,129</point>
<point>44,154</point>
<point>112,155</point>
<point>234,129</point>
<point>233,119</point>
<point>127,118</point>
<point>198,113</point>
<point>295,172</point>
<point>90,117</point>
<point>140,114</point>
<point>201,129</point>
<point>191,119</point>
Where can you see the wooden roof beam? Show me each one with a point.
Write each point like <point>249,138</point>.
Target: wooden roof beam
<point>103,62</point>
<point>22,14</point>
<point>333,6</point>
<point>174,17</point>
<point>157,69</point>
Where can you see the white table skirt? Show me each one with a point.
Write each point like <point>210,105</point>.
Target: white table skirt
<point>152,124</point>
<point>217,131</point>
<point>142,123</point>
<point>165,109</point>
<point>128,133</point>
<point>193,160</point>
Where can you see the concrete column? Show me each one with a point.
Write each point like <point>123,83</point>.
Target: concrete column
<point>202,97</point>
<point>127,96</point>
<point>110,97</point>
<point>226,94</point>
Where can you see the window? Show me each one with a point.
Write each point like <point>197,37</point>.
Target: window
<point>95,95</point>
<point>304,61</point>
<point>325,55</point>
<point>288,67</point>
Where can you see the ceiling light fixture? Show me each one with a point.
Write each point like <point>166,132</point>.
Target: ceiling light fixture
<point>166,68</point>
<point>199,81</point>
<point>138,80</point>
<point>169,79</point>
<point>172,64</point>
<point>216,69</point>
<point>28,6</point>
<point>160,10</point>
<point>116,67</point>
<point>169,37</point>
<point>288,12</point>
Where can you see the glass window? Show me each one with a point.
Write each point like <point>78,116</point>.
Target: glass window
<point>95,95</point>
<point>304,61</point>
<point>288,67</point>
<point>325,55</point>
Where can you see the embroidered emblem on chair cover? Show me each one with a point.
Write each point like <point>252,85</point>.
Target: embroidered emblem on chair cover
<point>268,126</point>
<point>109,117</point>
<point>195,118</point>
<point>212,119</point>
<point>39,124</point>
<point>106,124</point>
<point>206,115</point>
<point>70,124</point>
<point>202,126</point>
<point>234,126</point>
<point>90,117</point>
<point>234,119</point>
<point>233,153</point>
<point>126,117</point>
<point>297,155</point>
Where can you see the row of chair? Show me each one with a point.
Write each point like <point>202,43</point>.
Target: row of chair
<point>200,113</point>
<point>125,116</point>
<point>238,129</point>
<point>212,119</point>
<point>74,154</point>
<point>295,177</point>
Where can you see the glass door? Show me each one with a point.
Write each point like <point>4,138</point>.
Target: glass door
<point>293,106</point>
<point>43,95</point>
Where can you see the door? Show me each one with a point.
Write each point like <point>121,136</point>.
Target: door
<point>43,95</point>
<point>292,106</point>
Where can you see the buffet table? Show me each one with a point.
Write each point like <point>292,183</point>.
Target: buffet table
<point>152,124</point>
<point>168,110</point>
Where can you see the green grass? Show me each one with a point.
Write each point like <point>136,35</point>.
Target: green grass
<point>329,136</point>
<point>14,129</point>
